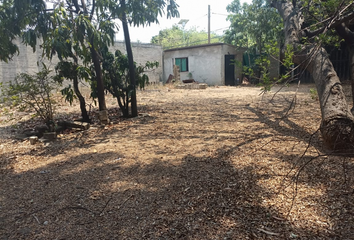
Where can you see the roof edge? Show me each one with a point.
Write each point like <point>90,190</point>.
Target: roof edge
<point>199,46</point>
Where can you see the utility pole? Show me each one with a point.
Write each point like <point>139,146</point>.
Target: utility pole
<point>208,24</point>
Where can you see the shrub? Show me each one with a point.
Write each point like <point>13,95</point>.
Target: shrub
<point>33,92</point>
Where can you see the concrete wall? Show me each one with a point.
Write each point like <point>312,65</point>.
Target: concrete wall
<point>143,52</point>
<point>238,52</point>
<point>26,61</point>
<point>206,62</point>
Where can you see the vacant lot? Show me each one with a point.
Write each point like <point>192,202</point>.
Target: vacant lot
<point>220,163</point>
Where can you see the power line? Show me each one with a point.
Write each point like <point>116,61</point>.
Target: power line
<point>222,14</point>
<point>195,19</point>
<point>220,29</point>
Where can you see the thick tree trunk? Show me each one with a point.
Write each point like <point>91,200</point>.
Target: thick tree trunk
<point>345,33</point>
<point>131,62</point>
<point>351,62</point>
<point>337,121</point>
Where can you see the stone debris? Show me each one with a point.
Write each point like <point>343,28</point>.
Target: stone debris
<point>192,86</point>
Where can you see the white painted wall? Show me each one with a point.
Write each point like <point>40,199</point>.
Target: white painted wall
<point>206,62</point>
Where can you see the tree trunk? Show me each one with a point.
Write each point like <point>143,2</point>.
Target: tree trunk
<point>84,115</point>
<point>134,107</point>
<point>99,78</point>
<point>351,62</point>
<point>348,35</point>
<point>95,58</point>
<point>337,121</point>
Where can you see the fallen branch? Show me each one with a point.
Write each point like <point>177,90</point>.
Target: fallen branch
<point>268,232</point>
<point>36,219</point>
<point>126,200</point>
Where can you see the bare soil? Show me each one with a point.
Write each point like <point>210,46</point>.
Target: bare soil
<point>220,163</point>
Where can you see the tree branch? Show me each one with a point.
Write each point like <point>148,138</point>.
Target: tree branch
<point>345,33</point>
<point>332,24</point>
<point>92,9</point>
<point>76,4</point>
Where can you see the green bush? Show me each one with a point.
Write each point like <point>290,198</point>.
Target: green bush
<point>32,92</point>
<point>313,94</point>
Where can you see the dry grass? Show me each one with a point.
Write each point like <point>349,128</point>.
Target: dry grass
<point>219,163</point>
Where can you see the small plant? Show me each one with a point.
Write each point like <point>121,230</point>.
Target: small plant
<point>33,92</point>
<point>313,94</point>
<point>190,75</point>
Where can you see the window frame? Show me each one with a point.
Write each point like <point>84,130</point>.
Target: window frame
<point>181,65</point>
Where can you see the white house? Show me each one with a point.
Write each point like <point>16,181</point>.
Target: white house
<point>213,64</point>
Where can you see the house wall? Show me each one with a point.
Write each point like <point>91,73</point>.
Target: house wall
<point>142,53</point>
<point>26,61</point>
<point>238,52</point>
<point>206,63</point>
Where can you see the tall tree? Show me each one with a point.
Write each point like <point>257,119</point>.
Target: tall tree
<point>93,27</point>
<point>305,30</point>
<point>15,16</point>
<point>134,107</point>
<point>63,40</point>
<point>345,31</point>
<point>252,25</point>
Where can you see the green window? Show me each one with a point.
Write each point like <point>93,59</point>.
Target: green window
<point>182,63</point>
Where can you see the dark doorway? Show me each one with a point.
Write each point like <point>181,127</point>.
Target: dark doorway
<point>230,70</point>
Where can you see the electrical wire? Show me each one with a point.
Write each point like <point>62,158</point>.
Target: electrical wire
<point>222,14</point>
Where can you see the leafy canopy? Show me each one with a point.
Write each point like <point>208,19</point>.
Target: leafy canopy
<point>252,25</point>
<point>79,19</point>
<point>178,37</point>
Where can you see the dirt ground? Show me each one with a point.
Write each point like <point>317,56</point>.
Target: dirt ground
<point>221,163</point>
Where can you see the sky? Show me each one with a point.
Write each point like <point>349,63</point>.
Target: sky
<point>196,11</point>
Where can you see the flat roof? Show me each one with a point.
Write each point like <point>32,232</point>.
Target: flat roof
<point>199,46</point>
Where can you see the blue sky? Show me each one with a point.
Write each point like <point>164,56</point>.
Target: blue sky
<point>195,11</point>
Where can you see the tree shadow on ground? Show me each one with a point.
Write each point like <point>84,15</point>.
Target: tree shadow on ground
<point>109,196</point>
<point>332,174</point>
<point>292,129</point>
<point>100,196</point>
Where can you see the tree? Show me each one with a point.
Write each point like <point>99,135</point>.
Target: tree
<point>305,30</point>
<point>140,13</point>
<point>15,16</point>
<point>177,37</point>
<point>346,31</point>
<point>63,39</point>
<point>253,26</point>
<point>134,107</point>
<point>87,25</point>
<point>117,77</point>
